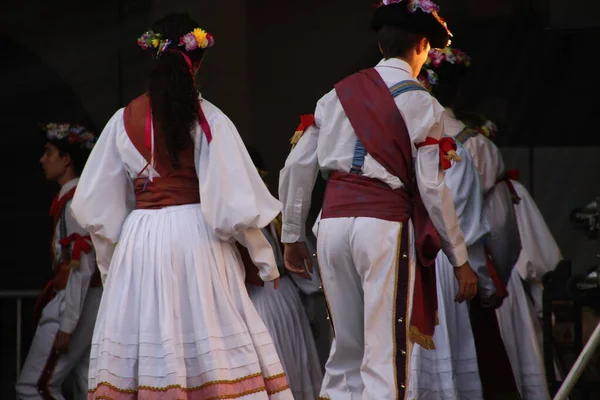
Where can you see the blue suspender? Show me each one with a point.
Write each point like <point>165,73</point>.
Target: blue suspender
<point>464,135</point>
<point>358,160</point>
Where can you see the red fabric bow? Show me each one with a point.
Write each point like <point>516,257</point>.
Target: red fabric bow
<point>80,244</point>
<point>306,120</point>
<point>447,146</point>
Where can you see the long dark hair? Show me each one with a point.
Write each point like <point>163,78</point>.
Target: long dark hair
<point>172,89</point>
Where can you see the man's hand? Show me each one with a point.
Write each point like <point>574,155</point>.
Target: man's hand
<point>296,258</point>
<point>61,342</point>
<point>467,283</point>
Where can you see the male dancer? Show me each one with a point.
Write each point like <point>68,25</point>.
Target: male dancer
<point>373,134</point>
<point>66,311</point>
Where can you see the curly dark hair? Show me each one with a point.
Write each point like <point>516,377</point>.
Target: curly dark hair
<point>172,88</point>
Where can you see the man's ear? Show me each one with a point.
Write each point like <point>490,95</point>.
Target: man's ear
<point>423,45</point>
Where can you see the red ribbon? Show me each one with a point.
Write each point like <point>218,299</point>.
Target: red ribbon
<point>59,202</point>
<point>446,144</point>
<point>501,290</point>
<point>186,58</point>
<point>80,244</point>
<point>54,208</point>
<point>306,120</point>
<point>513,174</point>
<point>203,122</point>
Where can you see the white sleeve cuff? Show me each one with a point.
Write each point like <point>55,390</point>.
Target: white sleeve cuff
<point>292,233</point>
<point>67,325</point>
<point>457,255</point>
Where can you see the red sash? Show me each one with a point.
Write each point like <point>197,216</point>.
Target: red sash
<point>380,127</point>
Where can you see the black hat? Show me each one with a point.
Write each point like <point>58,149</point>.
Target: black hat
<point>417,16</point>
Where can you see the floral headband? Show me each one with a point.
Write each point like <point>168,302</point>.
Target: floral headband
<point>448,54</point>
<point>427,6</point>
<point>429,77</point>
<point>74,134</point>
<point>196,39</point>
<point>488,129</point>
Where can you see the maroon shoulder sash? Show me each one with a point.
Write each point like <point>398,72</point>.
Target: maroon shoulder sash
<point>380,127</point>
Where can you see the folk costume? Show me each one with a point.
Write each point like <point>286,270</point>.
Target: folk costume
<point>376,245</point>
<point>69,302</point>
<point>443,72</point>
<point>175,321</point>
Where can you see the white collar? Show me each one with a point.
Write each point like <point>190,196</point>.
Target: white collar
<point>67,187</point>
<point>395,63</point>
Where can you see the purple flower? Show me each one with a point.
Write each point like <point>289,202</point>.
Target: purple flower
<point>189,41</point>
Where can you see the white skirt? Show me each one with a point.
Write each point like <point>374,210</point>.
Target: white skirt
<point>175,320</point>
<point>519,328</point>
<point>450,371</point>
<point>285,317</point>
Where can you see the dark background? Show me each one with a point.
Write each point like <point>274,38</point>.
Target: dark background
<point>533,73</point>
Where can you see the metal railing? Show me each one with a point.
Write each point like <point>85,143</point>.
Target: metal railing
<point>19,295</point>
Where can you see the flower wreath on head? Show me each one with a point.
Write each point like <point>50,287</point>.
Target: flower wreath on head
<point>73,133</point>
<point>429,78</point>
<point>478,124</point>
<point>487,129</point>
<point>196,39</point>
<point>427,6</point>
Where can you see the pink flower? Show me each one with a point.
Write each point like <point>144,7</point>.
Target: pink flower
<point>436,57</point>
<point>189,41</point>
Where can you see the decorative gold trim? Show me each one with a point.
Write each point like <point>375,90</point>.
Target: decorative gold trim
<point>201,387</point>
<point>410,291</point>
<point>328,308</point>
<point>395,301</point>
<point>425,341</point>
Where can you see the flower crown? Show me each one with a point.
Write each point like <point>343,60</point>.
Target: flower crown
<point>448,54</point>
<point>480,124</point>
<point>429,77</point>
<point>488,129</point>
<point>427,6</point>
<point>196,39</point>
<point>74,134</point>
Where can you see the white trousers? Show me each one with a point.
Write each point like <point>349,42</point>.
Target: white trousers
<point>75,362</point>
<point>359,265</point>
